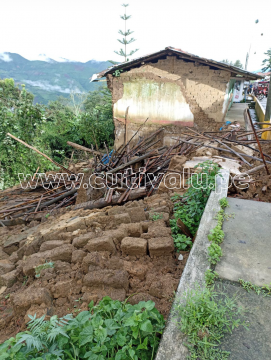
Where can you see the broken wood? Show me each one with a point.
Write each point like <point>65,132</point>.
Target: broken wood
<point>83,148</point>
<point>259,145</point>
<point>98,204</point>
<point>39,152</point>
<point>184,229</point>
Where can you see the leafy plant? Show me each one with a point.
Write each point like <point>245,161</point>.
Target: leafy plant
<point>190,207</point>
<point>223,203</point>
<point>210,276</point>
<point>205,317</point>
<point>216,234</point>
<point>182,242</point>
<point>110,330</point>
<point>264,290</point>
<point>215,253</point>
<point>155,216</point>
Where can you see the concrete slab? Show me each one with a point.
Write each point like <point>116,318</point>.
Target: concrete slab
<point>247,245</point>
<point>172,345</point>
<point>236,113</point>
<point>254,343</point>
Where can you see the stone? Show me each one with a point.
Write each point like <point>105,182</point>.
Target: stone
<point>82,240</point>
<point>63,288</point>
<point>180,257</point>
<point>3,255</point>
<point>6,266</point>
<point>136,269</point>
<point>162,246</point>
<point>104,243</point>
<point>22,300</point>
<point>116,210</point>
<point>157,229</point>
<point>134,246</point>
<point>8,279</point>
<point>62,253</point>
<point>122,219</point>
<point>78,256</point>
<point>117,279</point>
<point>75,224</point>
<point>136,214</point>
<point>49,245</point>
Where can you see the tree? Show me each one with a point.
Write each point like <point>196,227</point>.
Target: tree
<point>267,66</point>
<point>238,64</point>
<point>267,62</point>
<point>125,34</point>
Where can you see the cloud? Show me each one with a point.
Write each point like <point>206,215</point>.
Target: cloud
<point>5,57</point>
<point>45,85</point>
<point>44,57</point>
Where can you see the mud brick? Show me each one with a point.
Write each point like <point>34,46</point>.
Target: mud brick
<point>162,246</point>
<point>134,246</point>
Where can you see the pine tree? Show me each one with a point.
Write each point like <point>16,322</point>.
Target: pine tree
<point>125,34</point>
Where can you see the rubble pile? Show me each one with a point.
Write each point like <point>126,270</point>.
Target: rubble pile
<point>62,247</point>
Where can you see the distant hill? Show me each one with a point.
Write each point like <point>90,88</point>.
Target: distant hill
<point>49,79</point>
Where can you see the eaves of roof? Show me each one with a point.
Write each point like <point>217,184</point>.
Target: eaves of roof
<point>183,55</point>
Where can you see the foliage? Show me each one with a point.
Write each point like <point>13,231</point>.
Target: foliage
<point>214,253</point>
<point>190,207</point>
<point>223,203</point>
<point>21,118</point>
<point>264,290</point>
<point>182,242</point>
<point>237,63</point>
<point>48,128</point>
<point>124,41</point>
<point>216,235</point>
<point>267,62</point>
<point>210,276</point>
<point>205,317</point>
<point>38,268</point>
<point>156,216</point>
<point>109,330</point>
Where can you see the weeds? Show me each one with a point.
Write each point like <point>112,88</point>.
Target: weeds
<point>155,216</point>
<point>110,330</point>
<point>215,253</point>
<point>264,290</point>
<point>205,318</point>
<point>190,207</point>
<point>210,277</point>
<point>182,242</point>
<point>223,203</point>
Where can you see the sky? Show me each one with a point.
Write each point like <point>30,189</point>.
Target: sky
<point>83,30</point>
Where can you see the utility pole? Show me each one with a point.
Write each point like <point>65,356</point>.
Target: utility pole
<point>247,57</point>
<point>267,116</point>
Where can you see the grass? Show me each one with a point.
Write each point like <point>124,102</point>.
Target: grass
<point>264,290</point>
<point>206,317</point>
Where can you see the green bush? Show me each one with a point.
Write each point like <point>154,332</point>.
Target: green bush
<point>110,330</point>
<point>190,206</point>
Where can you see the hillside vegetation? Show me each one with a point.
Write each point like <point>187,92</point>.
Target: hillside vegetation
<point>50,79</point>
<point>48,128</point>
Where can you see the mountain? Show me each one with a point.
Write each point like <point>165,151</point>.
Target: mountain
<point>49,79</point>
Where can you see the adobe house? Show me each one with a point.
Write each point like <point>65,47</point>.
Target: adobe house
<point>170,87</point>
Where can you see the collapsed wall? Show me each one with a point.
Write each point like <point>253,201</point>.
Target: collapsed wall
<point>85,255</point>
